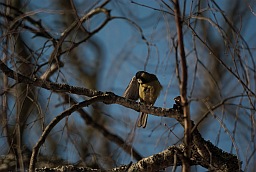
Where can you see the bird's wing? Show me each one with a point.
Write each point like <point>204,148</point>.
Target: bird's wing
<point>132,90</point>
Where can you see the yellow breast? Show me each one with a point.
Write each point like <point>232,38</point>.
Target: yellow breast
<point>149,92</point>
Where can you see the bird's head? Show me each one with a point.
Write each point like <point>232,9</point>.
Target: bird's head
<point>145,77</point>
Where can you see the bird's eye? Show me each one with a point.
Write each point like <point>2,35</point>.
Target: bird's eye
<point>139,80</point>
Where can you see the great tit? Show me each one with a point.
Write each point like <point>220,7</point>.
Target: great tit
<point>149,90</point>
<point>146,87</point>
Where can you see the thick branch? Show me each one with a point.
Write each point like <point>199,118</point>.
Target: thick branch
<point>203,153</point>
<point>111,98</point>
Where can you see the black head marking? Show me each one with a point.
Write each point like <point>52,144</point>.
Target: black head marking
<point>145,77</point>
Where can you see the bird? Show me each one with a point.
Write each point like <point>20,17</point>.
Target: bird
<point>132,90</point>
<point>145,87</point>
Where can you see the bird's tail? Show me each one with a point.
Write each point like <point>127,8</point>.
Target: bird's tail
<point>142,121</point>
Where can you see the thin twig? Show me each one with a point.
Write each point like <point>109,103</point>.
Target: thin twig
<point>129,149</point>
<point>53,123</point>
<point>183,86</point>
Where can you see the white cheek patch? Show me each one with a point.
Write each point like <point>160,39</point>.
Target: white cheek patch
<point>139,81</point>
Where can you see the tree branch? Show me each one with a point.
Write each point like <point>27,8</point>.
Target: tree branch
<point>183,85</point>
<point>203,152</point>
<point>111,98</point>
<point>105,132</point>
<point>54,122</point>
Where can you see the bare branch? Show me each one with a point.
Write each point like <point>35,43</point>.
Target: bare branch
<point>183,85</point>
<point>110,98</point>
<point>53,123</point>
<point>203,153</point>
